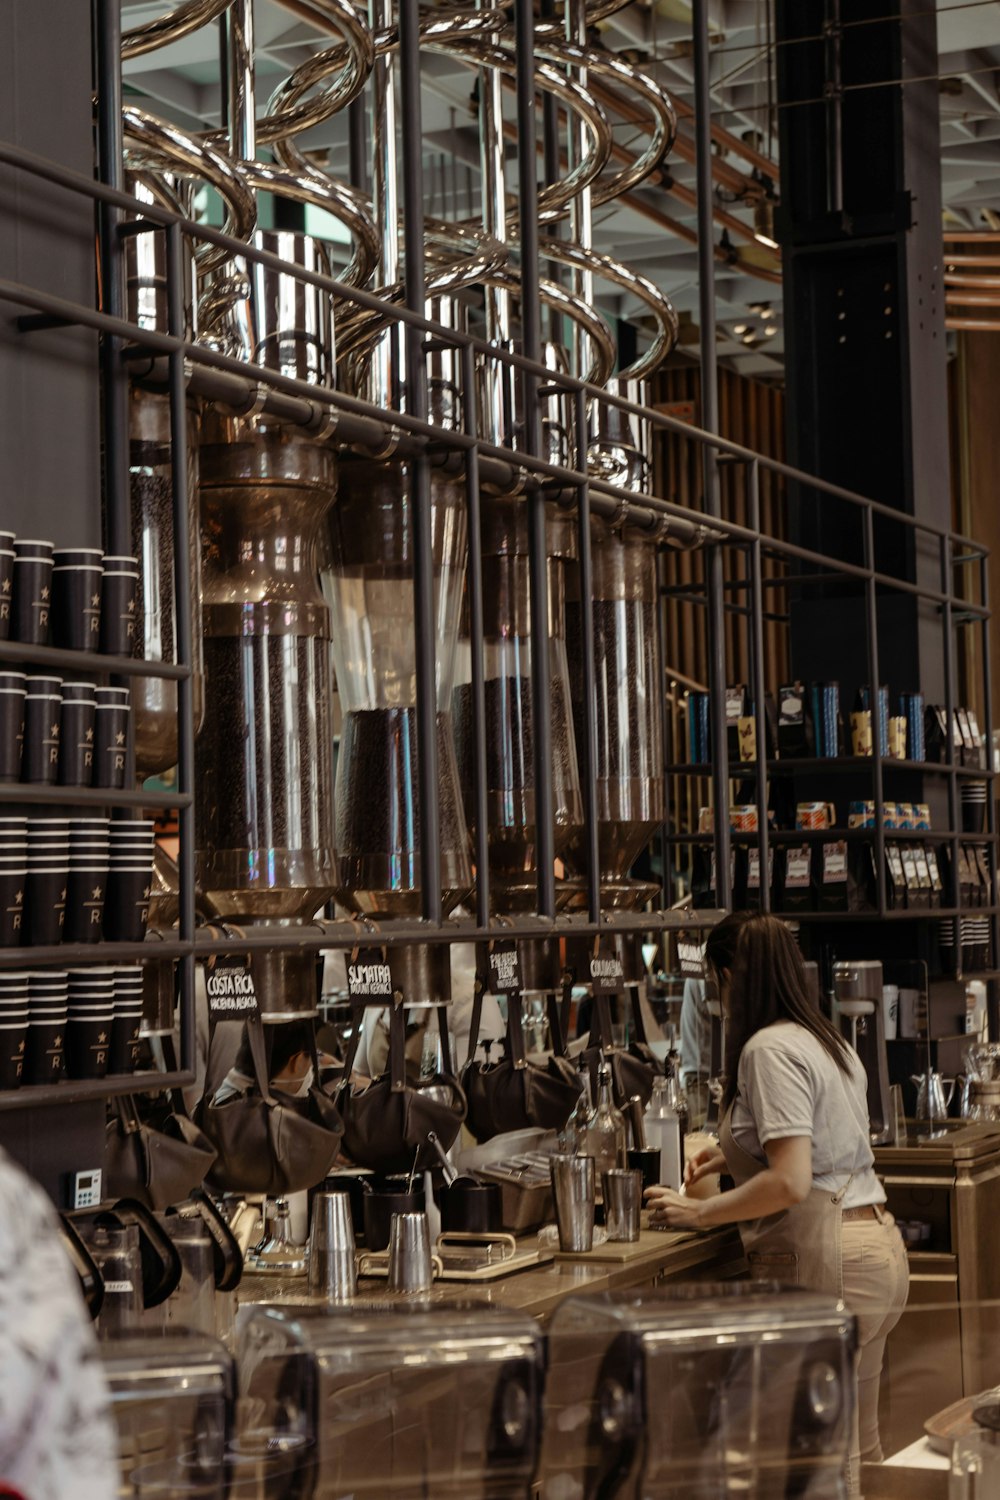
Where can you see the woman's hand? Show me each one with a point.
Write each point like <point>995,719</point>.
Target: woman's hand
<point>668,1207</point>
<point>707,1163</point>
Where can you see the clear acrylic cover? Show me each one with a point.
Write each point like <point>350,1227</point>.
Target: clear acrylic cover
<point>172,1398</point>
<point>696,1392</point>
<point>410,1401</point>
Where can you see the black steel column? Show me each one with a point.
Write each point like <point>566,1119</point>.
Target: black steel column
<point>416,405</point>
<point>715,614</point>
<point>865,357</point>
<point>185,644</point>
<point>114,379</point>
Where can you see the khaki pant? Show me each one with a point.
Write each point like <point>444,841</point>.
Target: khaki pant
<point>876,1283</point>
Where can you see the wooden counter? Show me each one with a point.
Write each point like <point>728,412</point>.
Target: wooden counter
<point>538,1290</point>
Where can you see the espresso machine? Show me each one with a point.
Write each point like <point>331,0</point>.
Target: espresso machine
<point>409,1401</point>
<point>690,1393</point>
<point>857,991</point>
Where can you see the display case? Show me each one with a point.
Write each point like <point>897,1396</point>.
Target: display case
<point>698,1392</point>
<point>409,1401</point>
<point>172,1396</point>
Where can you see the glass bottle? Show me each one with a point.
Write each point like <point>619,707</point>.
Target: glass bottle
<point>604,1138</point>
<point>573,1133</point>
<point>663,1130</point>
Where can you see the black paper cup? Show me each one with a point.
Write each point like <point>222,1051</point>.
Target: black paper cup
<point>126,907</point>
<point>44,906</point>
<point>77,727</point>
<point>10,677</point>
<point>6,590</point>
<point>78,557</point>
<point>44,1051</point>
<point>76,607</point>
<point>32,596</point>
<point>43,684</point>
<point>85,892</point>
<point>88,1047</point>
<point>13,1040</point>
<point>645,1159</point>
<point>113,694</point>
<point>11,733</point>
<point>90,830</point>
<point>119,612</point>
<point>28,547</point>
<point>40,758</point>
<point>125,1043</point>
<point>12,893</point>
<point>110,746</point>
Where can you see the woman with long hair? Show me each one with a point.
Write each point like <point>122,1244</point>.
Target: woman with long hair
<point>794,1139</point>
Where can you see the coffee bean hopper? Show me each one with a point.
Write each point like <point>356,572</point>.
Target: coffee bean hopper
<point>696,1392</point>
<point>412,1401</point>
<point>173,1399</point>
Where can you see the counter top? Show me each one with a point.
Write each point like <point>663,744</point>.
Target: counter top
<point>538,1290</point>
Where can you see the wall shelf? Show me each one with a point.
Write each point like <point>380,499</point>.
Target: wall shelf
<point>77,1091</point>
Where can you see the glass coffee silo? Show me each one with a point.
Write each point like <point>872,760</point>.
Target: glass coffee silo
<point>264,757</point>
<point>379,824</point>
<point>629,769</point>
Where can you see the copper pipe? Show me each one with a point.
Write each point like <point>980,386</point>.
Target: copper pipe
<point>986,283</point>
<point>972,325</point>
<point>971,299</point>
<point>981,236</point>
<point>991,261</point>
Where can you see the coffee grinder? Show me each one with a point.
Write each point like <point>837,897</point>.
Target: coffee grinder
<point>857,989</point>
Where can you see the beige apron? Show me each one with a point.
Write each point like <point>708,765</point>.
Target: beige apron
<point>801,1245</point>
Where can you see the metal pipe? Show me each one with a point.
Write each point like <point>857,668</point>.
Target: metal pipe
<point>588,768</point>
<point>242,108</point>
<point>357,136</point>
<point>386,356</point>
<point>416,403</point>
<point>474,584</point>
<point>499,403</point>
<point>760,712</point>
<point>581,208</point>
<point>114,379</point>
<point>991,819</point>
<point>184,643</point>
<point>715,622</point>
<point>531,339</point>
<point>947,630</point>
<point>871,608</point>
<point>669,677</point>
<point>551,168</point>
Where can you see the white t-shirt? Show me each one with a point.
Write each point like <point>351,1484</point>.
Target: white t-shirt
<point>789,1085</point>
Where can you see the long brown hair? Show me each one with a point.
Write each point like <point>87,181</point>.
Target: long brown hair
<point>768,984</point>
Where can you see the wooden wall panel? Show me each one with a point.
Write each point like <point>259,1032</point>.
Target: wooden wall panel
<point>751,414</point>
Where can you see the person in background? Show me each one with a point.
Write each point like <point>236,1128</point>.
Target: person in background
<point>794,1138</point>
<point>57,1439</point>
<point>696,1048</point>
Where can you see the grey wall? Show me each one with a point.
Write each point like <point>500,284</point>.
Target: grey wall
<point>49,397</point>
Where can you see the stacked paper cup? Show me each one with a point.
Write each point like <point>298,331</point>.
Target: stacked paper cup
<point>14,1005</point>
<point>45,884</point>
<point>127,1018</point>
<point>87,881</point>
<point>13,872</point>
<point>130,877</point>
<point>48,998</point>
<point>90,1018</point>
